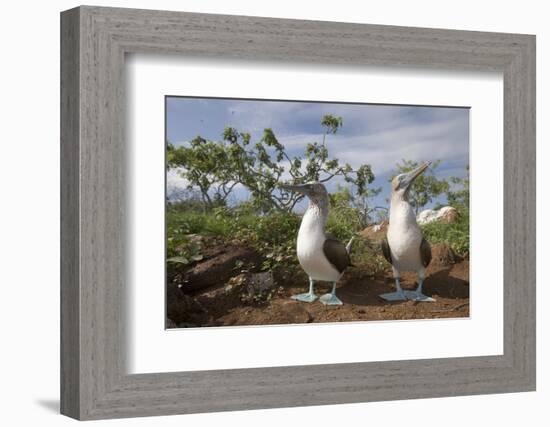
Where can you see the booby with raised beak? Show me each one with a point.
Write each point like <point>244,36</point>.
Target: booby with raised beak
<point>323,257</point>
<point>404,247</point>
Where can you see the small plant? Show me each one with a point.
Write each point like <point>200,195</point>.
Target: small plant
<point>366,256</point>
<point>456,235</point>
<point>258,297</point>
<point>274,236</point>
<point>185,252</point>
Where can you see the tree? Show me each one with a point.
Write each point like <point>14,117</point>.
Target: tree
<point>367,211</point>
<point>358,204</point>
<point>458,195</point>
<point>257,166</point>
<point>199,164</point>
<point>184,199</point>
<point>215,168</point>
<point>320,167</point>
<point>426,187</point>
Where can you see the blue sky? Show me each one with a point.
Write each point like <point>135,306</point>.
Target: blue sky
<point>379,135</point>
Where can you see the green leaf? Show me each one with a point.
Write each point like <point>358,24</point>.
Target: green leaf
<point>178,259</point>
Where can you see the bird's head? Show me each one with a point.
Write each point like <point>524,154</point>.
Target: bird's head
<point>402,183</point>
<point>315,191</point>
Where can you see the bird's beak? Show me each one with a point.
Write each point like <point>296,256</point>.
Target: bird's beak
<point>295,188</point>
<point>415,174</point>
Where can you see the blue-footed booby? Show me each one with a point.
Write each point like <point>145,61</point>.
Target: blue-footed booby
<point>323,257</point>
<point>404,247</point>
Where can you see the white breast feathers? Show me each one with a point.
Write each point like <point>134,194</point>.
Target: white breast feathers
<point>311,238</point>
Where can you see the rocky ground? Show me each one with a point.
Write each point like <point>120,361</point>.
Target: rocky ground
<point>213,292</point>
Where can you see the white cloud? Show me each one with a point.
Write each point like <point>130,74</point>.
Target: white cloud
<point>174,179</point>
<point>382,150</point>
<point>372,134</point>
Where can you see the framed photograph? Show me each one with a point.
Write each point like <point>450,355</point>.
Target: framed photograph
<point>253,216</point>
<point>261,213</point>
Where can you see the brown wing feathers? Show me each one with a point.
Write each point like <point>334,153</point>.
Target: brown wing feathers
<point>425,252</point>
<point>336,253</point>
<point>386,249</point>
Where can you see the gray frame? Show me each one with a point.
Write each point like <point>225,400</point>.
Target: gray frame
<point>94,41</point>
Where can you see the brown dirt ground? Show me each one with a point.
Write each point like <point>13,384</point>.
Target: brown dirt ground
<point>447,283</point>
<point>449,287</point>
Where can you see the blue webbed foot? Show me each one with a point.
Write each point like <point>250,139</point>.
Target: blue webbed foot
<point>330,299</point>
<point>394,296</point>
<point>398,295</point>
<point>309,297</point>
<point>418,296</point>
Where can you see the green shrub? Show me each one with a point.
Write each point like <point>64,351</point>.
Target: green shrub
<point>343,224</point>
<point>273,235</point>
<point>456,235</point>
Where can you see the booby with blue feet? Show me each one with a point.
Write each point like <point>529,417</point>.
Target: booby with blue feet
<point>323,257</point>
<point>404,247</point>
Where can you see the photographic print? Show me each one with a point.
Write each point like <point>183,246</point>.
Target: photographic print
<point>292,212</point>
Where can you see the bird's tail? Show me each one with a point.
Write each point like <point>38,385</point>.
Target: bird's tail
<point>348,246</point>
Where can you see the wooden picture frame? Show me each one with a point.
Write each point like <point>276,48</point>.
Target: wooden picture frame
<point>94,41</point>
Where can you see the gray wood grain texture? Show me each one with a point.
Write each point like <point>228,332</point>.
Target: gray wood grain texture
<point>70,367</point>
<point>94,382</point>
